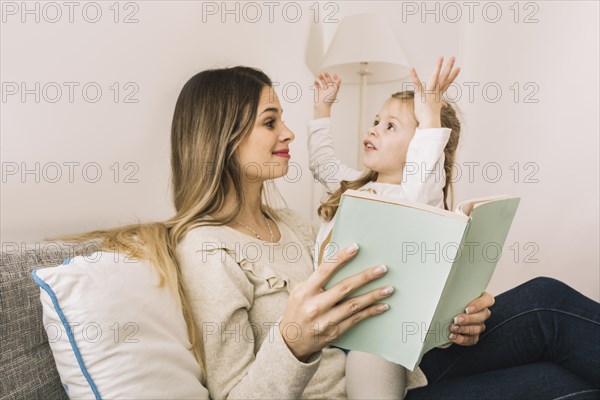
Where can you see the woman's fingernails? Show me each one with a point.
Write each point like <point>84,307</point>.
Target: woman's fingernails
<point>387,290</point>
<point>458,320</point>
<point>452,336</point>
<point>383,307</point>
<point>380,270</point>
<point>469,309</point>
<point>353,248</point>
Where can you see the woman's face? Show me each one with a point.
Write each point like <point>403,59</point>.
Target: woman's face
<point>386,144</point>
<point>264,154</point>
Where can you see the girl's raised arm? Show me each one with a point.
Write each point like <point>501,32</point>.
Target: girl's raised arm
<point>323,163</point>
<point>424,176</point>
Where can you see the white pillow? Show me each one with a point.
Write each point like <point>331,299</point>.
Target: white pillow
<point>114,333</point>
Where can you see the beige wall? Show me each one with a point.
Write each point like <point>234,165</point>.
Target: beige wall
<point>554,141</point>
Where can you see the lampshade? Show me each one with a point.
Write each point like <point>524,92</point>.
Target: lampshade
<point>366,38</point>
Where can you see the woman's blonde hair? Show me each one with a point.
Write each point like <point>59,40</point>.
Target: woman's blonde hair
<point>215,111</point>
<point>449,119</point>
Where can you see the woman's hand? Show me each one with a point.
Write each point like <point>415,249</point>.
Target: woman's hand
<point>428,99</point>
<point>327,88</point>
<point>468,326</point>
<point>314,313</point>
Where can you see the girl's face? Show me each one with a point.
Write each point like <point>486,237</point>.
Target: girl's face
<point>386,144</point>
<point>264,154</point>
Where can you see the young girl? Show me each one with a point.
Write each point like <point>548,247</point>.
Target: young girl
<point>408,153</point>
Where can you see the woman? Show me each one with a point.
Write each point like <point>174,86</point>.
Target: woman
<point>260,315</point>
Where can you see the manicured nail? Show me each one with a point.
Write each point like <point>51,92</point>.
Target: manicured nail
<point>458,320</point>
<point>380,270</point>
<point>353,248</point>
<point>383,307</point>
<point>452,336</point>
<point>454,328</point>
<point>469,309</point>
<point>387,290</point>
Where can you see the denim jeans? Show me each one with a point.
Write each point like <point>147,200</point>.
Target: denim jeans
<point>542,341</point>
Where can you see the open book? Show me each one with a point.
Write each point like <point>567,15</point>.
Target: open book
<point>438,261</point>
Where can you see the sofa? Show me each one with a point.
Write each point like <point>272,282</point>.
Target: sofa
<point>52,292</point>
<point>27,367</point>
<point>27,370</point>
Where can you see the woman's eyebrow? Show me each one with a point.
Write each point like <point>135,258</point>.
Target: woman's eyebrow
<point>273,109</point>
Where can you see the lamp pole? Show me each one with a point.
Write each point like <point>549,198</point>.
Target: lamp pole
<point>363,72</point>
<point>362,111</point>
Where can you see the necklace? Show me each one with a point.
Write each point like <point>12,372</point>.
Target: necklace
<point>253,231</point>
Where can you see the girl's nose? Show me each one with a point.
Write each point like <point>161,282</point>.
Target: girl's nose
<point>373,131</point>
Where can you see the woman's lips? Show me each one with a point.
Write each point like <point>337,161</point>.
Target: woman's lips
<point>282,153</point>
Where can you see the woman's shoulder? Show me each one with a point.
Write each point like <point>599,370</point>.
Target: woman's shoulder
<point>205,232</point>
<point>208,238</point>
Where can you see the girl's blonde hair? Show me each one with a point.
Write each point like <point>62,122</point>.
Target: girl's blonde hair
<point>215,111</point>
<point>449,119</point>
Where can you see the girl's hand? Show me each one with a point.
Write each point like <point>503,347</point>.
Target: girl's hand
<point>327,88</point>
<point>314,314</point>
<point>468,326</point>
<point>428,99</point>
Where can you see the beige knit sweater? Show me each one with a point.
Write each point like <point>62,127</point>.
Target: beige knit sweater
<point>238,287</point>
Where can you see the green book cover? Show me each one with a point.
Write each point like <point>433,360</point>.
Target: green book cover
<point>438,261</point>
